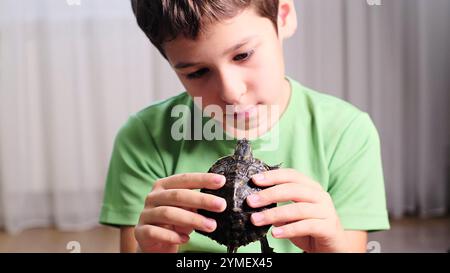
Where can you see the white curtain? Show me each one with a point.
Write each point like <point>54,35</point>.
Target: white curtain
<point>393,61</point>
<point>71,74</point>
<point>69,77</point>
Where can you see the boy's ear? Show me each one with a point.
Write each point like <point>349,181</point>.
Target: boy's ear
<point>287,19</point>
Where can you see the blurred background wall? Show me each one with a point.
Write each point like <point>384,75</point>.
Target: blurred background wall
<point>71,74</point>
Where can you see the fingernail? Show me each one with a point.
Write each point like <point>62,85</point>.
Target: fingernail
<point>257,217</point>
<point>254,198</point>
<point>218,203</point>
<point>259,177</point>
<point>210,224</point>
<point>219,179</point>
<point>277,231</point>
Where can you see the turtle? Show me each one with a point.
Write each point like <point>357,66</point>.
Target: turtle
<point>234,228</point>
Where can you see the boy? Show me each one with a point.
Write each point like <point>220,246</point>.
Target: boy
<point>330,189</point>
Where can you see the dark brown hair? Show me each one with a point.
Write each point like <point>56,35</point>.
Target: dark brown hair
<point>165,20</point>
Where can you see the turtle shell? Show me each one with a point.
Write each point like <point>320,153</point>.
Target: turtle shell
<point>234,228</point>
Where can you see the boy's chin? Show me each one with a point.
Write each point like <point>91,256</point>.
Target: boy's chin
<point>249,128</point>
<point>252,125</point>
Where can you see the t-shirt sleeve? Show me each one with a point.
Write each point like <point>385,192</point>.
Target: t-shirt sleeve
<point>134,166</point>
<point>356,177</point>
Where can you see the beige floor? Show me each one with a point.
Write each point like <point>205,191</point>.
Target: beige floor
<point>414,235</point>
<point>408,235</point>
<point>101,239</point>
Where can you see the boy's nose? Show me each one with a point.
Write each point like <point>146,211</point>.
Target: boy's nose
<point>232,89</point>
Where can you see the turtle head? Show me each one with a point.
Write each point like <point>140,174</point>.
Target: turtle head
<point>243,149</point>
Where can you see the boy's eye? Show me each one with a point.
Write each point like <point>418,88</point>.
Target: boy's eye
<point>197,74</point>
<point>243,56</point>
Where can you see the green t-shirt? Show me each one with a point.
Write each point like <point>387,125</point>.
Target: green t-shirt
<point>321,136</point>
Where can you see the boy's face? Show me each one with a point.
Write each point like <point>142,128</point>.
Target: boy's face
<point>236,62</point>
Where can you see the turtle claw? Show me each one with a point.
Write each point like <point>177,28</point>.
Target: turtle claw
<point>275,167</point>
<point>265,248</point>
<point>231,249</point>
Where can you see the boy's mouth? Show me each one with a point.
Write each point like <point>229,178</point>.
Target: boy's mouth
<point>242,112</point>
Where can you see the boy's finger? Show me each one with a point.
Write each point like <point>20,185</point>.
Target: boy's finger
<point>187,199</point>
<point>285,193</point>
<point>155,234</point>
<point>191,181</point>
<point>309,227</point>
<point>288,213</point>
<point>280,176</point>
<point>183,230</point>
<point>178,217</point>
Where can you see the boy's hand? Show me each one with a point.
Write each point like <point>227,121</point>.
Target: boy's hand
<point>169,215</point>
<point>311,222</point>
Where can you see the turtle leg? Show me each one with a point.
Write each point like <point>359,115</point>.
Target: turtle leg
<point>265,248</point>
<point>231,249</point>
<point>275,167</point>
